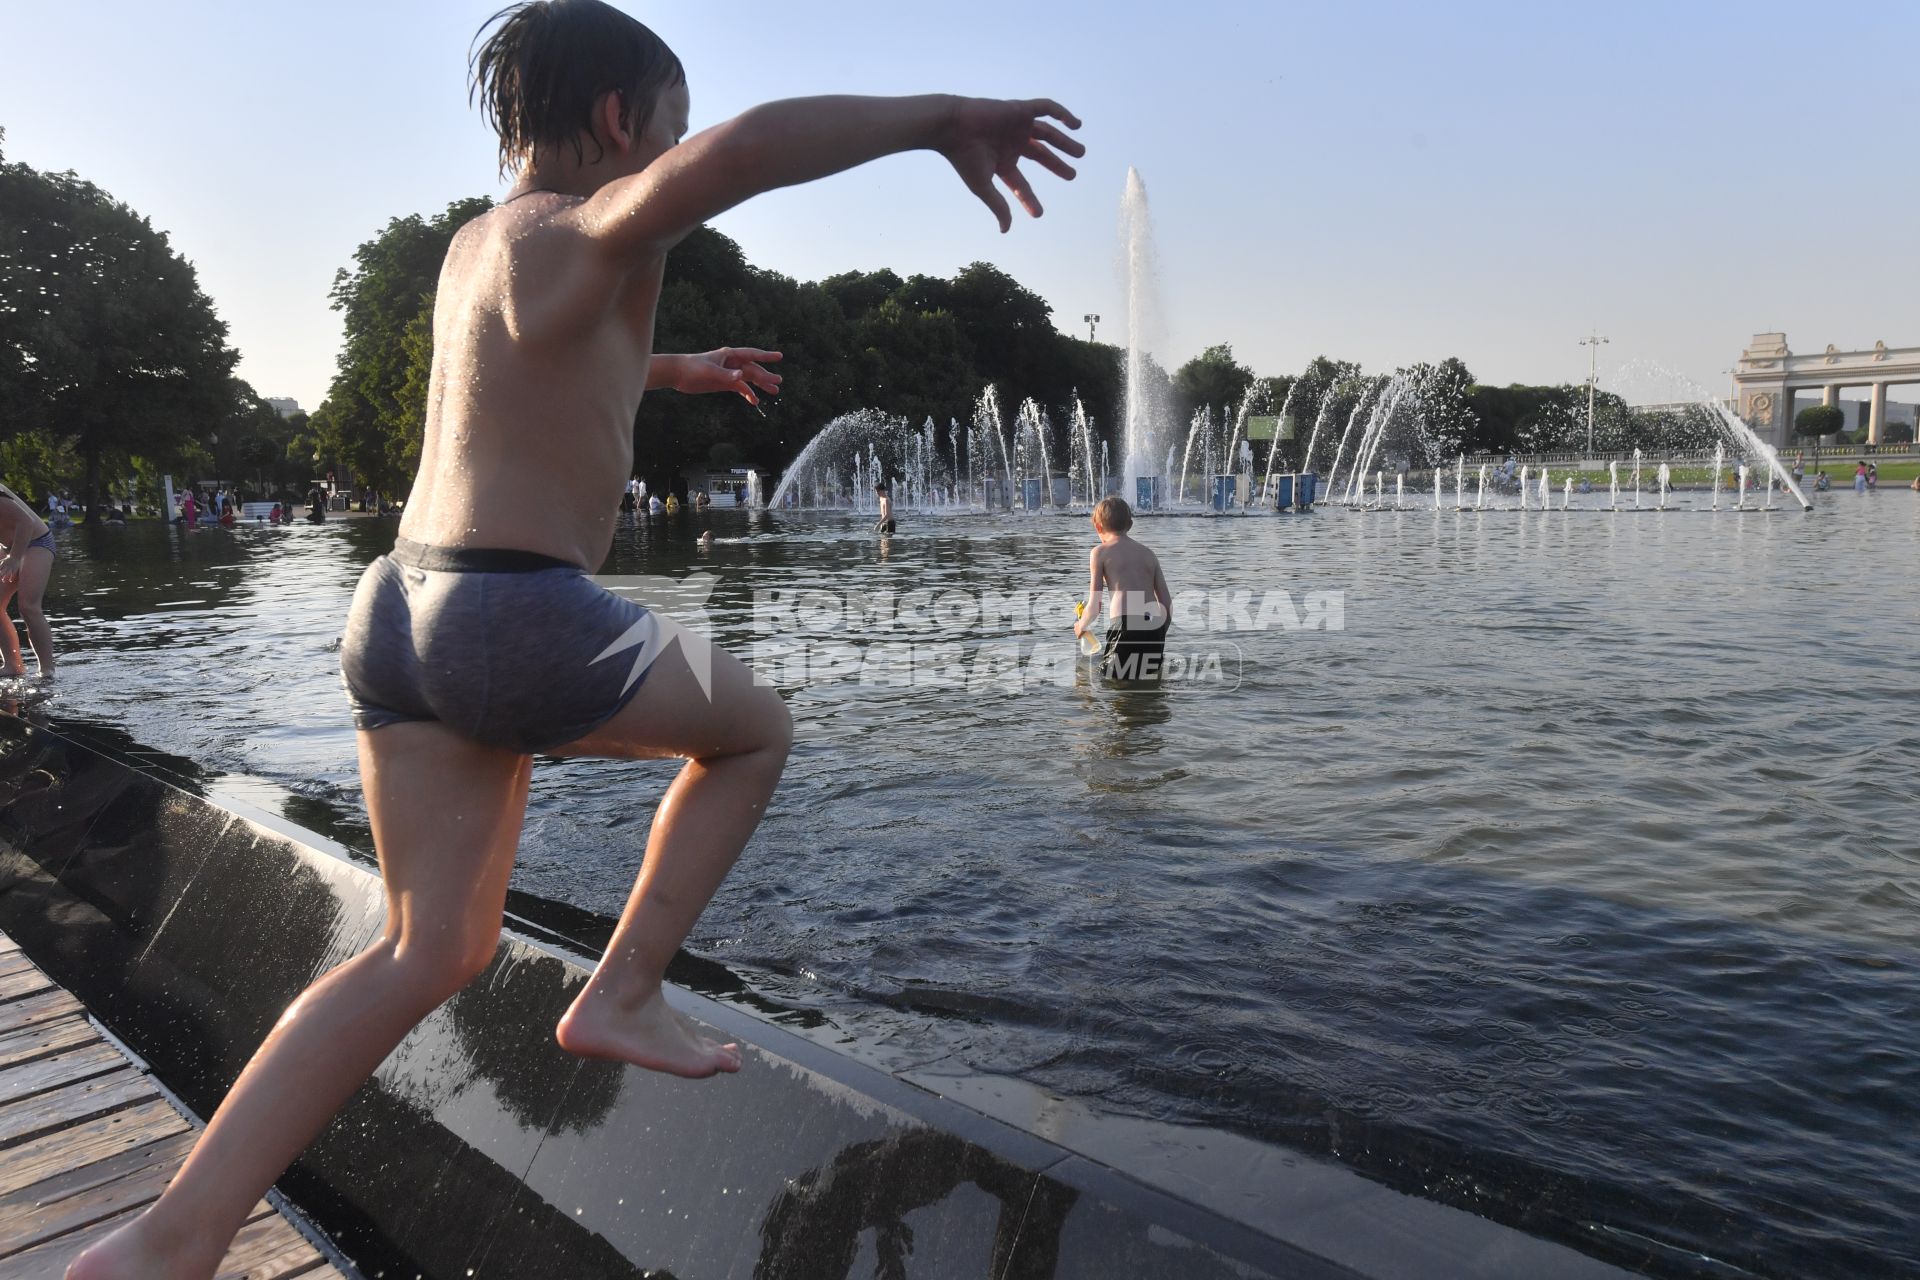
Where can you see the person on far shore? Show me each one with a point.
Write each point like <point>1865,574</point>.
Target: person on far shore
<point>1822,482</point>
<point>24,571</point>
<point>885,523</point>
<point>1860,477</point>
<point>1125,576</point>
<point>1873,475</point>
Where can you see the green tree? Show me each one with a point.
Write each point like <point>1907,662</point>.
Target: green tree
<point>1213,379</point>
<point>1323,385</point>
<point>1820,420</point>
<point>107,345</point>
<point>376,407</point>
<point>1442,398</point>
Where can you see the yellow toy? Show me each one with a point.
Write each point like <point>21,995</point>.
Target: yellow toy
<point>1089,645</point>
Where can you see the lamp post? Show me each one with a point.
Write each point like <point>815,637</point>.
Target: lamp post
<point>1592,343</point>
<point>1093,322</point>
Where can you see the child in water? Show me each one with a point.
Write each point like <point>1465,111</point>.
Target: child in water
<point>542,348</point>
<point>1138,603</point>
<point>885,523</point>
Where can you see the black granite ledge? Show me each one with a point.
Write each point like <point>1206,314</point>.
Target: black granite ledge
<point>480,1149</point>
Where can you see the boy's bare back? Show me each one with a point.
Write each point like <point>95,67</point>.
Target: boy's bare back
<point>540,361</point>
<point>1129,574</point>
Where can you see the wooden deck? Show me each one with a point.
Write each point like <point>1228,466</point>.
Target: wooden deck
<point>86,1141</point>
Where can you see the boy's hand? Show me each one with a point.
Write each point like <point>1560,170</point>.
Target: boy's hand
<point>735,369</point>
<point>987,139</point>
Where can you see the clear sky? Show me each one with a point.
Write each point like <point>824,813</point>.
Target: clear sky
<point>1378,182</point>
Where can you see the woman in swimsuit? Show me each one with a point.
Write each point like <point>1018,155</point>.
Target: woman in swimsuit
<point>24,570</point>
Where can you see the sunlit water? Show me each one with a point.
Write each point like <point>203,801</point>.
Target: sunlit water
<point>1573,882</point>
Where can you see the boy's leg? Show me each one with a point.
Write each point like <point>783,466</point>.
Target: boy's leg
<point>446,821</point>
<point>36,569</point>
<point>735,745</point>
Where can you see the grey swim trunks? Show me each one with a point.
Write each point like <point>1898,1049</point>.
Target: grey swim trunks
<point>509,648</point>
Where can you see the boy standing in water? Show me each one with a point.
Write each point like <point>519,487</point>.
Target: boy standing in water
<point>885,523</point>
<point>1139,605</point>
<point>543,328</point>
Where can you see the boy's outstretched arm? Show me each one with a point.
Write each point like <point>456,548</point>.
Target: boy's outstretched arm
<point>782,144</point>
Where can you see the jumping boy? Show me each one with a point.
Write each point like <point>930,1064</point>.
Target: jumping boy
<point>543,328</point>
<point>1139,605</point>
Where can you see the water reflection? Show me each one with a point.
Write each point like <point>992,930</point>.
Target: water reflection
<point>813,1228</point>
<point>504,1020</point>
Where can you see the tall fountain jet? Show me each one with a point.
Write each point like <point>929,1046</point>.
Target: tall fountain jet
<point>1142,427</point>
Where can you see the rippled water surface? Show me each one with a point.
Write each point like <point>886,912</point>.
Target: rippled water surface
<point>1574,881</point>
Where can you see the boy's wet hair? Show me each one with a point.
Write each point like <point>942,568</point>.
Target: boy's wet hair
<point>882,489</point>
<point>1113,514</point>
<point>548,62</point>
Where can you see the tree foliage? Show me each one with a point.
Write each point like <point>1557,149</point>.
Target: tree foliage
<point>376,408</point>
<point>1442,395</point>
<point>1211,380</point>
<point>108,348</point>
<point>1820,420</point>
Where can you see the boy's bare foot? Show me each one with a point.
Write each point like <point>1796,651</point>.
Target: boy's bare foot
<point>648,1034</point>
<point>137,1252</point>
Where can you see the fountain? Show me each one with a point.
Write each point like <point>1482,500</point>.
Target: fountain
<point>1754,446</point>
<point>1460,483</point>
<point>1719,468</point>
<point>1636,479</point>
<point>1032,457</point>
<point>1200,426</point>
<point>1480,495</point>
<point>1740,478</point>
<point>1273,451</point>
<point>1319,420</point>
<point>1087,482</point>
<point>1546,493</point>
<point>1613,485</point>
<point>1663,478</point>
<point>1340,449</point>
<point>839,467</point>
<point>1141,432</point>
<point>1526,474</point>
<point>1566,495</point>
<point>1387,413</point>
